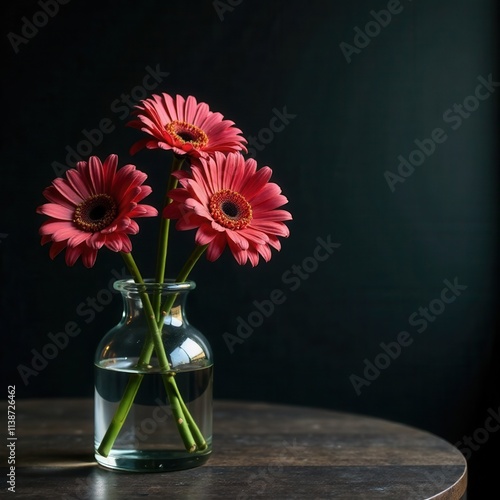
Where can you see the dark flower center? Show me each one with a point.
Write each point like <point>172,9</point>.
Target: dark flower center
<point>95,213</point>
<point>230,209</point>
<point>186,136</point>
<point>187,133</point>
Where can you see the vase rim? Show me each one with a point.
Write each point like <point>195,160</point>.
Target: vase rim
<point>169,285</point>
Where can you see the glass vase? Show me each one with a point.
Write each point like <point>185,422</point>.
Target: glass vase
<point>153,384</point>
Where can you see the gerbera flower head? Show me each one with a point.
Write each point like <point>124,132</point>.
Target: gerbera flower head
<point>185,126</point>
<point>94,206</point>
<point>231,203</point>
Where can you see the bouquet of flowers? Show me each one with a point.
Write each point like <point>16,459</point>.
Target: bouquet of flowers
<point>211,188</point>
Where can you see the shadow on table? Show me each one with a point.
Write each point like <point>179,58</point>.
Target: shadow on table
<point>60,462</point>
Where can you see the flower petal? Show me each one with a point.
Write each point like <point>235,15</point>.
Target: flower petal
<point>216,247</point>
<point>94,206</point>
<point>211,200</point>
<point>154,114</point>
<point>56,211</point>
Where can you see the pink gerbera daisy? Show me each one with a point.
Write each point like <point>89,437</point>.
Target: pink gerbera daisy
<point>230,202</point>
<point>93,207</point>
<point>185,126</point>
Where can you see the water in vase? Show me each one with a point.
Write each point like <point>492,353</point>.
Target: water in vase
<point>149,439</point>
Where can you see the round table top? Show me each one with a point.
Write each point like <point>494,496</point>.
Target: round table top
<point>259,451</point>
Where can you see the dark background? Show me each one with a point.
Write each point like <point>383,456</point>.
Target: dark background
<point>352,121</point>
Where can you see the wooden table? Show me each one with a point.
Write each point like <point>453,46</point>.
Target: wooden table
<point>260,451</point>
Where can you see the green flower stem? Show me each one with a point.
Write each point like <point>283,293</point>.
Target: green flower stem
<point>161,257</point>
<point>154,342</point>
<point>126,402</point>
<point>198,437</point>
<point>166,306</point>
<point>120,415</point>
<point>181,277</point>
<point>157,343</point>
<point>154,331</point>
<point>190,262</point>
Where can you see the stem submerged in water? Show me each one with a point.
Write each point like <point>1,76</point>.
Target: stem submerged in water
<point>191,436</point>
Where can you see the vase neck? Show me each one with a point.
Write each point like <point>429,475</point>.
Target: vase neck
<point>165,300</point>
